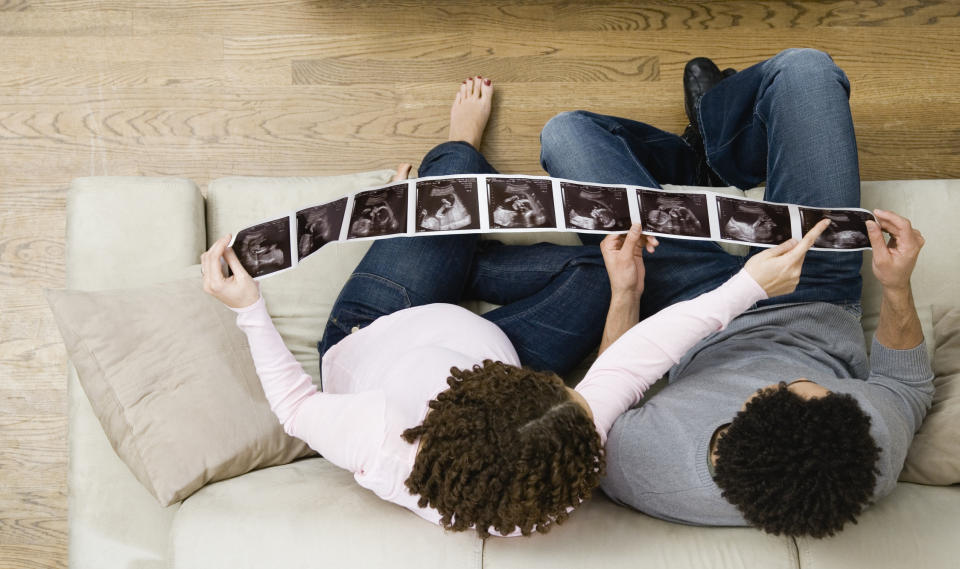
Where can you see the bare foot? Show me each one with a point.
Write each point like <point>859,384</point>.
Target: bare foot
<point>470,111</point>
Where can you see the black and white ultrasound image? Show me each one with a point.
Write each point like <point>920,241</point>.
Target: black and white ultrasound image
<point>264,248</point>
<point>450,204</point>
<point>597,208</point>
<point>674,213</point>
<point>753,222</point>
<point>847,230</point>
<point>379,212</point>
<point>319,225</point>
<point>521,203</point>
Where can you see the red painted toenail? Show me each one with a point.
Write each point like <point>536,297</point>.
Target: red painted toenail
<point>487,81</point>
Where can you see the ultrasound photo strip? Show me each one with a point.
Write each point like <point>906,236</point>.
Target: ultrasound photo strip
<point>496,203</point>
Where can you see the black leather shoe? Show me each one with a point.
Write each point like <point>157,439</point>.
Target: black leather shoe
<point>699,76</point>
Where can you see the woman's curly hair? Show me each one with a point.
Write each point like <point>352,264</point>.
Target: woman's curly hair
<point>799,467</point>
<point>504,448</point>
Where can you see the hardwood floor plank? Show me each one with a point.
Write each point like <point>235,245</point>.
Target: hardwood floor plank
<point>86,23</point>
<point>514,69</point>
<point>111,48</point>
<point>777,14</point>
<point>51,555</point>
<point>413,46</point>
<point>25,78</point>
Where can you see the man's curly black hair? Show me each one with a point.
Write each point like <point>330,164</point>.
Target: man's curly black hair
<point>798,467</point>
<point>504,448</point>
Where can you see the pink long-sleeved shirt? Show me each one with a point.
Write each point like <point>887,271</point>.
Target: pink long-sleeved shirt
<point>379,380</point>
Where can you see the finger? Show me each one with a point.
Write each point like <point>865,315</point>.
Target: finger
<point>633,238</point>
<point>876,238</point>
<point>811,237</point>
<point>612,242</point>
<point>651,243</point>
<point>890,220</point>
<point>211,269</point>
<point>234,262</point>
<point>780,249</point>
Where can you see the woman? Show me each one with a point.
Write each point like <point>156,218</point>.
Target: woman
<point>427,403</point>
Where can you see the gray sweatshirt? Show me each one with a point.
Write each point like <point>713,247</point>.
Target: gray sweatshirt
<point>657,453</point>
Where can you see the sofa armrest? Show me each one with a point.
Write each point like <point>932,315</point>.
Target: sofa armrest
<point>121,232</point>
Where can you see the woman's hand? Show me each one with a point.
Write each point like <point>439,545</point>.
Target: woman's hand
<point>623,257</point>
<point>777,270</point>
<point>403,172</point>
<point>236,291</point>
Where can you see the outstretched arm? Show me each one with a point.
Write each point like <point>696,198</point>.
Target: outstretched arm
<point>345,428</point>
<point>637,358</point>
<point>893,263</point>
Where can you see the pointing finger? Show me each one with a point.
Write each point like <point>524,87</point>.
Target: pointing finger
<point>811,237</point>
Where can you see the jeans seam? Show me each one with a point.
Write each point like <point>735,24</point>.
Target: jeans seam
<point>526,311</point>
<point>393,284</point>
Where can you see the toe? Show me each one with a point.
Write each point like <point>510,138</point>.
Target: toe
<point>486,88</point>
<point>464,90</point>
<point>470,87</point>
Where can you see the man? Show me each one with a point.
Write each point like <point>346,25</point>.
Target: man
<point>780,421</point>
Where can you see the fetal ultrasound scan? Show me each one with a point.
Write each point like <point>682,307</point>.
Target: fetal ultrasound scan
<point>521,203</point>
<point>596,208</point>
<point>264,248</point>
<point>847,230</point>
<point>674,213</point>
<point>319,225</point>
<point>379,212</point>
<point>753,222</point>
<point>450,204</point>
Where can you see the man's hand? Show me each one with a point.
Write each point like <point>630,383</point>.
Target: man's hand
<point>893,261</point>
<point>623,257</point>
<point>777,270</point>
<point>236,291</point>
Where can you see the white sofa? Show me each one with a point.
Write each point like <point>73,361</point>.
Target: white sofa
<point>126,232</point>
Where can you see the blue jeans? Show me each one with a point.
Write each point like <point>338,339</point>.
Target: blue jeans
<point>785,120</point>
<point>554,298</point>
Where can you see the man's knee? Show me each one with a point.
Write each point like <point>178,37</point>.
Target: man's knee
<point>561,131</point>
<point>806,66</point>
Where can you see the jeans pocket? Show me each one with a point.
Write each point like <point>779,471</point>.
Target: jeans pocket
<point>365,298</point>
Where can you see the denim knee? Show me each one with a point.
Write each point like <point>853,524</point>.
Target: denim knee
<point>806,67</point>
<point>559,132</point>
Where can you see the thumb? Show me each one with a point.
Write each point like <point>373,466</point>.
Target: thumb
<point>234,262</point>
<point>875,236</point>
<point>632,238</point>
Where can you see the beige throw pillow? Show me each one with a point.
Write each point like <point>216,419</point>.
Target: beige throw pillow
<point>171,380</point>
<point>934,456</point>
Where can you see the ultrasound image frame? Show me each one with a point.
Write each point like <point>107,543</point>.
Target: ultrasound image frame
<point>520,203</point>
<point>847,230</point>
<point>729,208</point>
<point>467,197</point>
<point>255,245</point>
<point>379,212</point>
<point>608,209</point>
<point>326,220</point>
<point>651,201</point>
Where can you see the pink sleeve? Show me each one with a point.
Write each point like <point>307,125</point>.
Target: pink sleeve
<point>617,380</point>
<point>347,429</point>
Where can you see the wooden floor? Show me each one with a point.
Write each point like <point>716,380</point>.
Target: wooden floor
<point>204,89</point>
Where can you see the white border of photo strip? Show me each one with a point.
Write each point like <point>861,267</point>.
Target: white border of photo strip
<point>558,211</point>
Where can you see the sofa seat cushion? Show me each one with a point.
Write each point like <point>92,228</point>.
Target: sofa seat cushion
<point>915,526</point>
<point>309,514</point>
<point>602,534</point>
